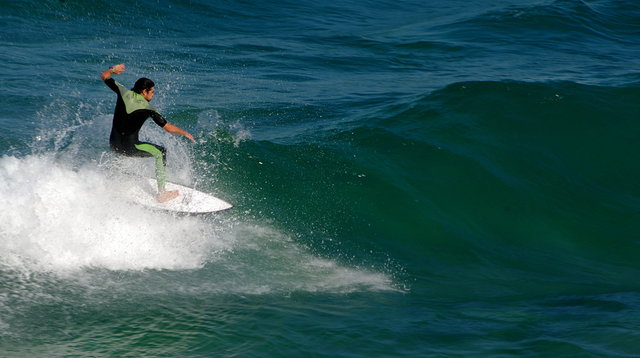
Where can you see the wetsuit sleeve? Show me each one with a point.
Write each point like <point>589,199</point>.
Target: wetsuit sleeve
<point>115,86</point>
<point>111,83</point>
<point>158,118</point>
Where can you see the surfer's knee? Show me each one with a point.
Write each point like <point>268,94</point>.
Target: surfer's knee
<point>164,155</point>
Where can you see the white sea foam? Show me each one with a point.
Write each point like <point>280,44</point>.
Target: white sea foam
<point>57,218</point>
<point>63,220</point>
<point>265,260</point>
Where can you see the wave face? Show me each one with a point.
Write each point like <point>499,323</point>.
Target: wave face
<point>409,179</point>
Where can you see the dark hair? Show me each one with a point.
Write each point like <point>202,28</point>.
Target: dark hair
<point>142,84</point>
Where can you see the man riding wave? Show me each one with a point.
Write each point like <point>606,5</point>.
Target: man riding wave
<point>132,110</point>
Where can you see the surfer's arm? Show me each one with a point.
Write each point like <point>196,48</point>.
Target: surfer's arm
<point>117,69</point>
<point>159,119</point>
<point>177,130</point>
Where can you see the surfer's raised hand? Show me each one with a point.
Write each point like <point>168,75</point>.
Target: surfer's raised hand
<point>117,69</point>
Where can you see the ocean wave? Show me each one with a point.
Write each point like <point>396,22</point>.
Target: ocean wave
<point>561,20</point>
<point>529,164</point>
<point>70,223</point>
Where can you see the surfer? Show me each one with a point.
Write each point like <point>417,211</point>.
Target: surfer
<point>132,110</point>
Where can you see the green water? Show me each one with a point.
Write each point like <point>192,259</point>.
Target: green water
<point>409,179</point>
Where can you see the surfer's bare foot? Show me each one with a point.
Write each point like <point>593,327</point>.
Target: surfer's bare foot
<point>165,196</point>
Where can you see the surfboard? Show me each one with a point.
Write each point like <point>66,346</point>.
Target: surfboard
<point>189,202</point>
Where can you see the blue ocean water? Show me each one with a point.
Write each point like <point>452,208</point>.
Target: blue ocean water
<point>410,179</point>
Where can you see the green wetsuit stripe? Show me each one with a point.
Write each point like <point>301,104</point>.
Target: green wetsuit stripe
<point>160,172</point>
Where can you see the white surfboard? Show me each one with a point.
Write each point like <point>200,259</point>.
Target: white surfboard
<point>190,201</point>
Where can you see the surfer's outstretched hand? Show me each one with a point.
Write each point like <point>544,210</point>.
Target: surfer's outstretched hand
<point>177,130</point>
<point>188,135</point>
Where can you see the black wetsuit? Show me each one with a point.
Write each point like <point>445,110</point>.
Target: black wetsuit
<point>132,110</point>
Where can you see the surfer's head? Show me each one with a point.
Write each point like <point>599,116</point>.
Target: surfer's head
<point>145,87</point>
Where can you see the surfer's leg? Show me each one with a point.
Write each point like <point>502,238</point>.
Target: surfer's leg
<point>160,155</point>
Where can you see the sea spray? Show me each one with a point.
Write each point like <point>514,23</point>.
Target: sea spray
<point>58,218</point>
<point>63,220</point>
